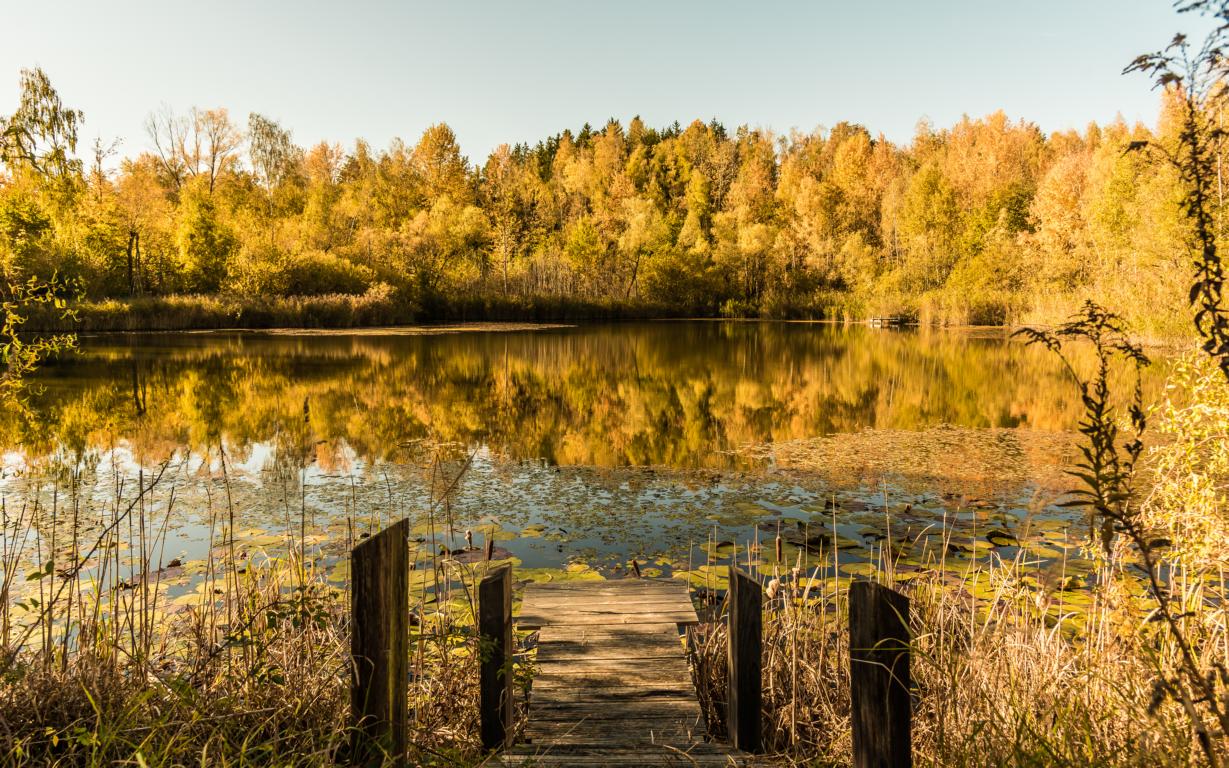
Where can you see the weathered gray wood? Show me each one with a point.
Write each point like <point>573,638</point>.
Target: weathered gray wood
<point>611,586</point>
<point>745,644</point>
<point>379,645</point>
<point>669,629</point>
<point>647,602</point>
<point>618,677</point>
<point>651,754</point>
<point>599,710</point>
<point>495,631</point>
<point>610,646</point>
<point>674,664</point>
<point>606,606</point>
<point>606,618</point>
<point>593,654</point>
<point>610,756</point>
<point>653,725</point>
<point>614,695</point>
<point>613,685</point>
<point>879,676</point>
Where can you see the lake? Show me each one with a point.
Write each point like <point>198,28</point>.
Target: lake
<point>585,447</point>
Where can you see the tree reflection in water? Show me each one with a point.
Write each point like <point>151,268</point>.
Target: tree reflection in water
<point>678,394</point>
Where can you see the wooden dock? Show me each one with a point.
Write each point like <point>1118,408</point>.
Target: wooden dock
<point>613,685</point>
<point>891,321</point>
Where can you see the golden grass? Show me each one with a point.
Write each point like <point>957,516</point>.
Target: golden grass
<point>100,664</point>
<point>270,687</point>
<point>998,680</point>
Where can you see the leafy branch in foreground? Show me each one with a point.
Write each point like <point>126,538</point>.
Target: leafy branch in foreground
<point>1198,79</point>
<point>41,135</point>
<point>20,356</point>
<point>1107,472</point>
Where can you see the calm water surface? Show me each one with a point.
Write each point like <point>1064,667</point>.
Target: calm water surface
<point>600,442</point>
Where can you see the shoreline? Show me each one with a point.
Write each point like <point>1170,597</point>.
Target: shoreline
<point>409,329</point>
<point>342,314</point>
<point>1171,346</point>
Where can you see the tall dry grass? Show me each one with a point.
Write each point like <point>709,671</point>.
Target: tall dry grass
<point>1000,677</point>
<point>99,665</point>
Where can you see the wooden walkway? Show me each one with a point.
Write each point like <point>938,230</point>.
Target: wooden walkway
<point>613,686</point>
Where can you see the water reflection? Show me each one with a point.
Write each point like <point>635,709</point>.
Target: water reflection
<point>599,443</point>
<point>680,394</point>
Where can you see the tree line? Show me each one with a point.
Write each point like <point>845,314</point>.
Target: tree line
<point>988,221</point>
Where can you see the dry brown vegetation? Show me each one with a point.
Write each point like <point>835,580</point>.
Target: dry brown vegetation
<point>271,686</point>
<point>999,679</point>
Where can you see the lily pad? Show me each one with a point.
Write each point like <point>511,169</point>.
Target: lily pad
<point>555,575</point>
<point>859,569</point>
<point>711,576</point>
<point>1001,538</point>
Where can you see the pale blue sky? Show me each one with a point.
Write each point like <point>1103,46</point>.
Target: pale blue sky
<point>518,71</point>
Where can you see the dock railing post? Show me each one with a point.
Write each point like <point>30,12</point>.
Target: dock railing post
<point>495,640</point>
<point>379,646</point>
<point>879,676</point>
<point>746,605</point>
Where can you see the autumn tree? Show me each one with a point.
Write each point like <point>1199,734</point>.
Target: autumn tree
<point>988,220</point>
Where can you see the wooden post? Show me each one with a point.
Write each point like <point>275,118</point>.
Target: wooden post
<point>379,619</point>
<point>879,676</point>
<point>495,637</point>
<point>746,605</point>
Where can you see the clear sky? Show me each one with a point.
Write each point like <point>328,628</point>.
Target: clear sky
<point>508,71</point>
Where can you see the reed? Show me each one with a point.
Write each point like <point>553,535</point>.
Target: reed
<point>100,665</point>
<point>1006,672</point>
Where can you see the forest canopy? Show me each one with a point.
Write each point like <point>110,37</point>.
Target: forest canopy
<point>988,221</point>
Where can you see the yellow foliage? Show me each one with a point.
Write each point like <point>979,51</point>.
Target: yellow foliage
<point>1189,502</point>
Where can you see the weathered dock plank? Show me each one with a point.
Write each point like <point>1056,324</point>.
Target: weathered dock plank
<point>613,685</point>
